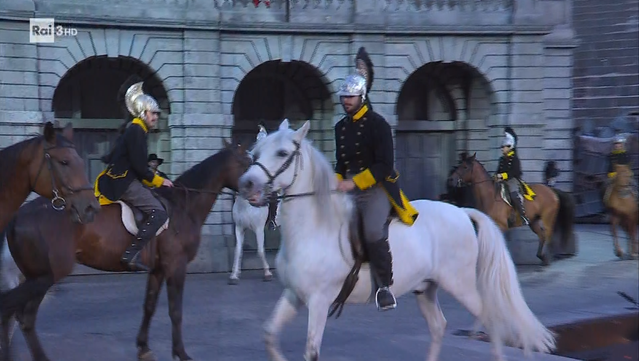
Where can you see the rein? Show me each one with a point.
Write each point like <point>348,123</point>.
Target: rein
<point>58,202</point>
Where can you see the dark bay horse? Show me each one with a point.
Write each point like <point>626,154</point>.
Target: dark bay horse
<point>548,209</point>
<point>45,246</point>
<point>50,166</point>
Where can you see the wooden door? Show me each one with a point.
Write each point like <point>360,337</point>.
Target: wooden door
<point>423,160</point>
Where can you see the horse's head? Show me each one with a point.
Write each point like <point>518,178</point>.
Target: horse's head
<point>238,162</point>
<point>58,173</point>
<point>463,173</point>
<point>275,164</point>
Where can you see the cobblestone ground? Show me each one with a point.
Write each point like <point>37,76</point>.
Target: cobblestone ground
<point>97,317</point>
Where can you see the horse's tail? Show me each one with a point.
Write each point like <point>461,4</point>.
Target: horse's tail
<point>9,272</point>
<point>565,220</point>
<point>505,313</point>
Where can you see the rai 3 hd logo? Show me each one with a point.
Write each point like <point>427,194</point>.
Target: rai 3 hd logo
<point>44,30</point>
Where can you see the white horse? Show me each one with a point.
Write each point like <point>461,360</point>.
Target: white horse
<point>245,216</point>
<point>441,248</point>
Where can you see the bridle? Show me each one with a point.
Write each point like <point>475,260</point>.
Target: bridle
<point>58,202</point>
<point>462,183</point>
<point>293,157</point>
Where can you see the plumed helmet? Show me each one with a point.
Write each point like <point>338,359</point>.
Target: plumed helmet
<point>353,85</point>
<point>510,138</point>
<point>619,138</point>
<point>137,102</point>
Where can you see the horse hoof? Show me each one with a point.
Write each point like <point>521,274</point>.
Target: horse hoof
<point>268,278</point>
<point>147,356</point>
<point>619,253</point>
<point>234,281</point>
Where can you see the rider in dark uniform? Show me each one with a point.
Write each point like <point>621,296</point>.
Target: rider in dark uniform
<point>618,155</point>
<point>272,205</point>
<point>509,171</point>
<point>365,166</point>
<point>127,169</point>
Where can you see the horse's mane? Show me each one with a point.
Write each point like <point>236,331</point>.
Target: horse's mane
<point>481,166</point>
<point>10,156</point>
<point>323,176</point>
<point>329,204</point>
<point>198,176</point>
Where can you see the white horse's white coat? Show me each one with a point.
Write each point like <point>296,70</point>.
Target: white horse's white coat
<point>245,216</point>
<point>440,249</point>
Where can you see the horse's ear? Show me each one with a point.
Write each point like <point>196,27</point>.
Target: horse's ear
<point>474,156</point>
<point>301,133</point>
<point>67,132</point>
<point>284,125</point>
<point>225,143</point>
<point>49,132</point>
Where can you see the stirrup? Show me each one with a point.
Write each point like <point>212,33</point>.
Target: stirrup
<point>393,305</point>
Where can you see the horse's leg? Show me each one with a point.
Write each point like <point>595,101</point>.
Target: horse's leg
<point>239,243</point>
<point>318,306</point>
<point>429,305</point>
<point>284,311</point>
<point>537,226</point>
<point>614,222</point>
<point>27,320</point>
<point>153,288</point>
<point>259,236</point>
<point>175,292</point>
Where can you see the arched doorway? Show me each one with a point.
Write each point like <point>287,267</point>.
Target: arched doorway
<point>275,90</point>
<point>439,108</point>
<point>87,96</point>
<point>271,92</point>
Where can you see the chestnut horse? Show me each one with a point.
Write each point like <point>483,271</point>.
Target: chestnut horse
<point>622,207</point>
<point>45,246</point>
<point>50,166</point>
<point>543,212</point>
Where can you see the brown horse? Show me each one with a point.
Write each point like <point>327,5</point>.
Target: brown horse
<point>543,211</point>
<point>50,166</point>
<point>45,246</point>
<point>621,204</point>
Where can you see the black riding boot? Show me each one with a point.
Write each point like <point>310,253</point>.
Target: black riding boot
<point>382,264</point>
<point>272,212</point>
<point>146,232</point>
<point>518,203</point>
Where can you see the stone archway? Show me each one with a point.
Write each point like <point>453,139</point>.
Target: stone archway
<point>87,96</point>
<point>442,110</point>
<point>275,90</point>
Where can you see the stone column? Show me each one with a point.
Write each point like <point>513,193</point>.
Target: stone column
<point>197,134</point>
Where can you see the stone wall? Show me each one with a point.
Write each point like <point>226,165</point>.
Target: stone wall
<point>606,75</point>
<point>202,50</point>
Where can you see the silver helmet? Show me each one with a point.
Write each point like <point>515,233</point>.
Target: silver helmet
<point>619,138</point>
<point>137,102</point>
<point>510,138</point>
<point>353,85</point>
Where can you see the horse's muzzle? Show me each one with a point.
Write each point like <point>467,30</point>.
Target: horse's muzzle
<point>253,191</point>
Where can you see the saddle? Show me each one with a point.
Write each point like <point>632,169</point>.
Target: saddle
<point>132,216</point>
<point>524,190</point>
